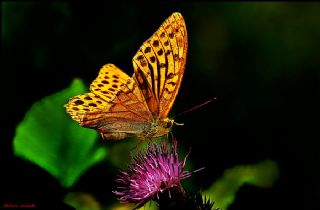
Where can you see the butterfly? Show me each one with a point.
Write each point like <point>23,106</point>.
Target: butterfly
<point>119,106</point>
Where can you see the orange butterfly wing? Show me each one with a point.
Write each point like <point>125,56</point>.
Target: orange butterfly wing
<point>160,63</point>
<point>114,105</point>
<point>118,105</point>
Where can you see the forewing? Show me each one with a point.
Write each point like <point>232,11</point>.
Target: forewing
<point>159,65</point>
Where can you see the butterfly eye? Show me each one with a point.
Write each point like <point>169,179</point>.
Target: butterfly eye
<point>168,124</point>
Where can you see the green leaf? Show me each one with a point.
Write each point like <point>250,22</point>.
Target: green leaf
<point>223,191</point>
<point>48,137</point>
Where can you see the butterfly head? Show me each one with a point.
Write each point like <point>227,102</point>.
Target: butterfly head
<point>164,126</point>
<point>167,123</point>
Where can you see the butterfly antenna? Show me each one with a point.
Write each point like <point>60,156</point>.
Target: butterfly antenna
<point>180,124</point>
<point>193,108</point>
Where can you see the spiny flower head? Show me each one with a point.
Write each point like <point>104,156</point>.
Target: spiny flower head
<point>153,171</point>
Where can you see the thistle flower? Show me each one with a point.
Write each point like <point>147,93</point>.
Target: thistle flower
<point>153,173</point>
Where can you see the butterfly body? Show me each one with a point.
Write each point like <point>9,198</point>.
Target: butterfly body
<point>119,106</point>
<point>149,130</point>
<point>157,128</point>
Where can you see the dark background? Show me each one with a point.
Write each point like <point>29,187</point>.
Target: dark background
<point>261,61</point>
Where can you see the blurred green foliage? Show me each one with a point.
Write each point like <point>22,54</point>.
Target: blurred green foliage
<point>48,137</point>
<point>82,201</point>
<point>223,191</point>
<point>11,22</point>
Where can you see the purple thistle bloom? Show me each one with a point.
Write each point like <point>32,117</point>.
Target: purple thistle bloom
<point>152,171</point>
